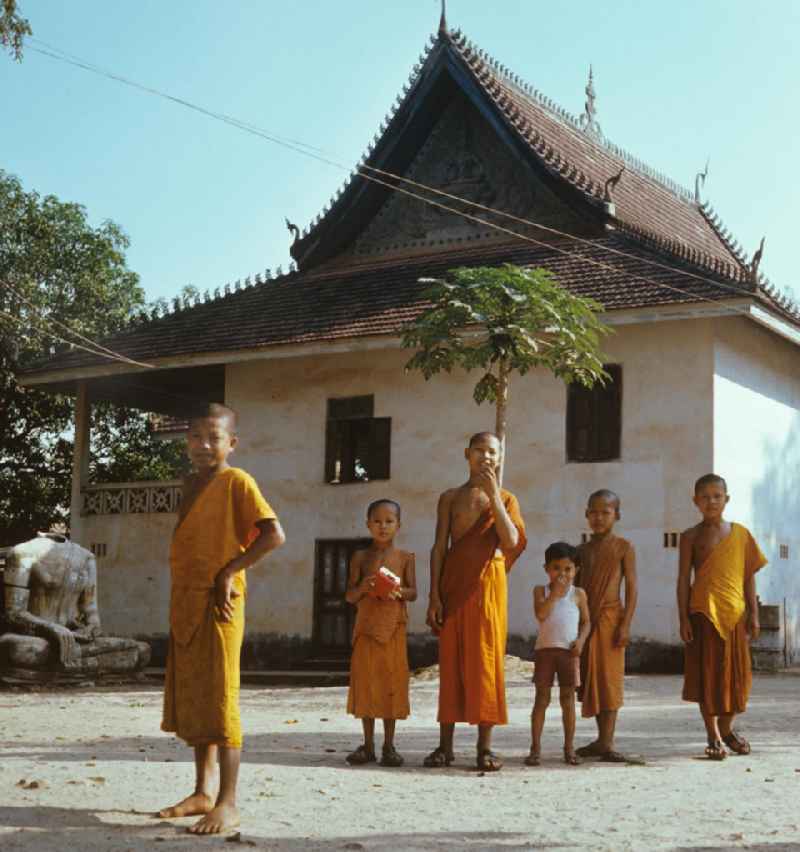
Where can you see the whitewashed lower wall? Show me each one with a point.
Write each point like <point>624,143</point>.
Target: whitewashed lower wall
<point>757,450</point>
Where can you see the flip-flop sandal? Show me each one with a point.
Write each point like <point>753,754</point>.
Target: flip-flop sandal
<point>532,759</point>
<point>737,744</point>
<point>716,751</point>
<point>591,750</point>
<point>612,756</point>
<point>390,757</point>
<point>438,759</point>
<point>488,761</point>
<point>571,759</point>
<point>361,756</point>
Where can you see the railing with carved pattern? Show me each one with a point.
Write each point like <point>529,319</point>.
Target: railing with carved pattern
<point>132,498</point>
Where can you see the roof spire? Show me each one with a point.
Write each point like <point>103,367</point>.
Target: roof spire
<point>588,120</point>
<point>700,178</point>
<point>443,19</point>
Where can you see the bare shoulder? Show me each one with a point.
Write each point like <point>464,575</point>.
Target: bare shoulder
<point>691,533</point>
<point>358,556</point>
<point>405,555</point>
<point>580,595</point>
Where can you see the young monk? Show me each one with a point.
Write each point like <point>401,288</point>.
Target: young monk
<point>479,535</point>
<point>716,613</point>
<point>563,617</point>
<point>605,563</point>
<point>224,526</point>
<point>379,664</point>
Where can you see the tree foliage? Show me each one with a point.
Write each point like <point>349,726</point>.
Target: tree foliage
<point>13,28</point>
<point>54,266</point>
<point>504,320</point>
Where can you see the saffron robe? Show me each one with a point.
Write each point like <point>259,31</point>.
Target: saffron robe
<point>717,668</point>
<point>201,690</point>
<point>379,662</point>
<point>602,661</point>
<point>472,641</point>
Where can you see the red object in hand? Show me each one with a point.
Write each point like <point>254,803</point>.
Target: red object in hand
<point>386,582</point>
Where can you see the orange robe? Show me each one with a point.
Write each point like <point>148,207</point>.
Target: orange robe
<point>201,690</point>
<point>472,641</point>
<point>602,662</point>
<point>379,663</point>
<point>717,668</point>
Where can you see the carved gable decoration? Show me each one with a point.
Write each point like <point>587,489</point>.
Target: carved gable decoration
<point>463,157</point>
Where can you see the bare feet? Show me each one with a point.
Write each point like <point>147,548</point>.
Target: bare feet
<point>194,805</point>
<point>219,819</point>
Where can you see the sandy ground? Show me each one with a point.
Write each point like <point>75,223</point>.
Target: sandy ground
<point>94,765</point>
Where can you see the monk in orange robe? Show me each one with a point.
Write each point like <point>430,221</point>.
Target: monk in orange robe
<point>716,613</point>
<point>224,526</point>
<point>605,562</point>
<point>479,535</point>
<point>379,663</point>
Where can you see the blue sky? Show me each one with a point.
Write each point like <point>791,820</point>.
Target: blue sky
<point>204,203</point>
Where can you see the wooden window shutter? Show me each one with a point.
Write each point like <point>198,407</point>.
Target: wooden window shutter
<point>332,454</point>
<point>609,415</point>
<point>380,448</point>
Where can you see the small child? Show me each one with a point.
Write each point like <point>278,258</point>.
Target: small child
<point>717,609</point>
<point>563,616</point>
<point>224,526</point>
<point>379,663</point>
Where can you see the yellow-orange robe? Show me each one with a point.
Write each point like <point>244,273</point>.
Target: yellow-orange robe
<point>717,669</point>
<point>472,641</point>
<point>379,663</point>
<point>602,661</point>
<point>201,691</point>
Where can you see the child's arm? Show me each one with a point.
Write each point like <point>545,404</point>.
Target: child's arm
<point>271,537</point>
<point>623,631</point>
<point>753,624</point>
<point>584,625</point>
<point>408,592</point>
<point>543,606</point>
<point>684,584</point>
<point>357,586</point>
<point>435,616</point>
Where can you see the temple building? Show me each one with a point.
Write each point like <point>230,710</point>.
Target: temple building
<point>471,167</point>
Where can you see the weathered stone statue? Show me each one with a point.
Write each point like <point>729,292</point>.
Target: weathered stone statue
<point>51,626</point>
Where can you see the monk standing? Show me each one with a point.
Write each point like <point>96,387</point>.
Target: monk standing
<point>224,526</point>
<point>716,613</point>
<point>479,535</point>
<point>605,562</point>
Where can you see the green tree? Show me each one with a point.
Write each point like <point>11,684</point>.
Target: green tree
<point>55,266</point>
<point>13,28</point>
<point>505,320</point>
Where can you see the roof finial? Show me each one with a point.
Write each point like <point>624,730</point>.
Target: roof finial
<point>755,263</point>
<point>700,177</point>
<point>443,19</point>
<point>588,120</point>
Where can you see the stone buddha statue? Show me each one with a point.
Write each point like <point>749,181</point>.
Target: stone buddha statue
<point>51,626</point>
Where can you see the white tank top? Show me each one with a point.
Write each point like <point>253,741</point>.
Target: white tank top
<point>560,628</point>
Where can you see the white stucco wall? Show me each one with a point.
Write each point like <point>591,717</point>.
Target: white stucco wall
<point>757,450</point>
<point>667,441</point>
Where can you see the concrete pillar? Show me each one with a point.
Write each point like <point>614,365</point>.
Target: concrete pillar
<point>80,462</point>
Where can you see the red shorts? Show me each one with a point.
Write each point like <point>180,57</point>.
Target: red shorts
<point>549,662</point>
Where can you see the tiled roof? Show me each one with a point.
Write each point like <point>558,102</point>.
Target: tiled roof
<point>382,297</point>
<point>576,155</point>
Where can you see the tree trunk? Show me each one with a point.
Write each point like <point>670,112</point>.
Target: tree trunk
<point>500,418</point>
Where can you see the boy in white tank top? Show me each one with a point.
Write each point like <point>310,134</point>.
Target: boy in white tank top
<point>563,616</point>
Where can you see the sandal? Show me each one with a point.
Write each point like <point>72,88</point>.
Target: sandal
<point>438,758</point>
<point>361,756</point>
<point>715,750</point>
<point>591,750</point>
<point>488,761</point>
<point>571,759</point>
<point>612,756</point>
<point>390,757</point>
<point>532,759</point>
<point>737,744</point>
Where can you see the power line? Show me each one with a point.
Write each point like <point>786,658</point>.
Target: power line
<point>100,349</point>
<point>308,151</point>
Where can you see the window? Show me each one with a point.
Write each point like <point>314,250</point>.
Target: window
<point>594,419</point>
<point>357,445</point>
<point>333,616</point>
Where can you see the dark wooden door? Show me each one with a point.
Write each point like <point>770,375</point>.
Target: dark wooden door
<point>333,616</point>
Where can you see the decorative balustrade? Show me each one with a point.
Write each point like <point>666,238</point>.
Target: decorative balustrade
<point>132,498</point>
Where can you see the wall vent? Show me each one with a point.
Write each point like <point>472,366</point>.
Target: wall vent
<point>100,549</point>
<point>784,551</point>
<point>671,538</point>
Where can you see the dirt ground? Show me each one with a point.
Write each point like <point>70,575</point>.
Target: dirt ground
<point>84,769</point>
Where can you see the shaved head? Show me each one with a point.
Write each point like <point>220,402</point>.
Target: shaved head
<point>710,479</point>
<point>217,411</point>
<point>483,436</point>
<point>605,494</point>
